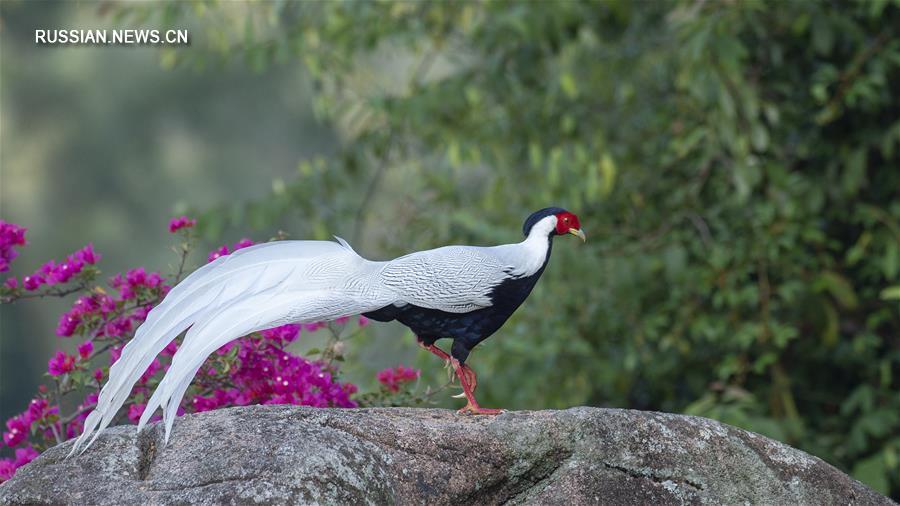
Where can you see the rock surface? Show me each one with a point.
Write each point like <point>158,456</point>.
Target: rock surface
<point>288,454</point>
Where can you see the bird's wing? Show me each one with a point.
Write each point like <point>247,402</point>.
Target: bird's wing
<point>252,289</point>
<point>456,279</point>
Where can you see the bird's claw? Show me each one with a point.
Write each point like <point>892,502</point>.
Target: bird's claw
<point>470,409</point>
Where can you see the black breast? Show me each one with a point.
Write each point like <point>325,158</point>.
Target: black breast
<point>466,329</point>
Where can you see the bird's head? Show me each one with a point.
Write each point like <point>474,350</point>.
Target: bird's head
<point>552,221</point>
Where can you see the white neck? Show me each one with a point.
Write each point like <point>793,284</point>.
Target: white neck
<point>529,255</point>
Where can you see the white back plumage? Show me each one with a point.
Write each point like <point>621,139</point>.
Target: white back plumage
<point>272,284</point>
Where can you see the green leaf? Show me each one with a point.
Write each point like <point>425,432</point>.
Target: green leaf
<point>822,35</point>
<point>535,154</point>
<point>839,287</point>
<point>608,170</point>
<point>568,85</point>
<point>891,261</point>
<point>891,293</point>
<point>759,136</point>
<point>832,322</point>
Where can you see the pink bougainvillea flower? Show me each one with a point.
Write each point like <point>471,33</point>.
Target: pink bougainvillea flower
<point>114,353</point>
<point>227,347</point>
<point>52,273</point>
<point>243,243</point>
<point>216,253</point>
<point>393,378</point>
<point>135,411</point>
<point>117,327</point>
<point>223,250</point>
<point>60,364</point>
<point>38,409</point>
<point>181,222</point>
<point>85,349</point>
<point>68,323</point>
<point>154,367</point>
<point>19,426</point>
<point>171,348</point>
<point>33,282</point>
<point>312,327</point>
<point>140,277</point>
<point>134,280</point>
<point>25,455</point>
<point>7,469</point>
<point>87,255</point>
<point>283,334</point>
<point>90,305</point>
<point>10,235</point>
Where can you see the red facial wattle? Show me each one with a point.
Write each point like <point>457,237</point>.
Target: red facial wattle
<point>566,221</point>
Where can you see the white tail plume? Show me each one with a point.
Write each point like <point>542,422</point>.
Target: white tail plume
<point>252,289</point>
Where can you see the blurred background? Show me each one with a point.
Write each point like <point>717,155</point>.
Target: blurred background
<point>734,164</point>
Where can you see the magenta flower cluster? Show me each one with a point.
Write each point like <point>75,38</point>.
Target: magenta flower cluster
<point>181,222</point>
<point>23,456</point>
<point>11,235</point>
<point>268,374</point>
<point>19,426</point>
<point>256,369</point>
<point>135,280</point>
<point>223,250</point>
<point>135,286</point>
<point>52,273</point>
<point>60,364</point>
<point>96,305</point>
<point>393,378</point>
<point>19,429</point>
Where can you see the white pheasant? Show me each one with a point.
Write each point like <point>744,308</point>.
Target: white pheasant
<point>464,293</point>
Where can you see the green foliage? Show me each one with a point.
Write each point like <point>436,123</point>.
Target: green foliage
<point>735,165</point>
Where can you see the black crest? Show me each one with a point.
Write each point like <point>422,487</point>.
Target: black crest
<point>538,216</point>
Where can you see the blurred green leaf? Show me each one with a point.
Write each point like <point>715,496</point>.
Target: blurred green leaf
<point>839,287</point>
<point>891,293</point>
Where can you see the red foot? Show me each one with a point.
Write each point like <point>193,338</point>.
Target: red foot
<point>469,381</point>
<point>470,409</point>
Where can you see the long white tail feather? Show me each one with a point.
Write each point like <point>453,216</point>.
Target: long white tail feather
<point>214,333</point>
<point>292,281</point>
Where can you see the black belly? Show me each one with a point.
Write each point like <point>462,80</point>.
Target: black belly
<point>466,329</point>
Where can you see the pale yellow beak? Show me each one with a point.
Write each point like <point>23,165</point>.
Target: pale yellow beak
<point>578,233</point>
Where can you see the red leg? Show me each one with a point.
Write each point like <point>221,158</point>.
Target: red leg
<point>465,375</point>
<point>471,378</point>
<point>434,349</point>
<point>467,378</point>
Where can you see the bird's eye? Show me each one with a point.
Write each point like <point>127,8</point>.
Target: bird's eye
<point>566,219</point>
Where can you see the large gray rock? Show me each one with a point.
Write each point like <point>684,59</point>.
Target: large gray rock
<point>287,454</point>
